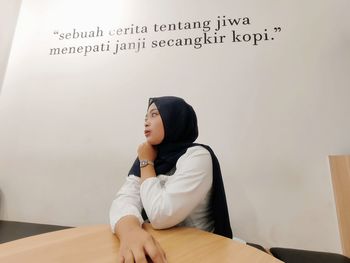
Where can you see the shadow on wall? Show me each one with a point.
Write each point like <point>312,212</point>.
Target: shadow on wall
<point>9,11</point>
<point>246,214</point>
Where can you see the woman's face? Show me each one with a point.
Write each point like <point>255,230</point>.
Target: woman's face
<point>154,129</point>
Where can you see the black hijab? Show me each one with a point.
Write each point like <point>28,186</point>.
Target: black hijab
<point>180,131</point>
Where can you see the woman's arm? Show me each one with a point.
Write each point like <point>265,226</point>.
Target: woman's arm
<point>147,152</point>
<point>127,202</point>
<point>169,204</point>
<point>136,243</point>
<point>126,222</point>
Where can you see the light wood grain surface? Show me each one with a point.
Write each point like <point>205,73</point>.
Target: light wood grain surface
<point>97,244</point>
<point>340,169</point>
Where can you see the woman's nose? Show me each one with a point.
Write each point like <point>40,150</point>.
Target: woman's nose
<point>146,123</point>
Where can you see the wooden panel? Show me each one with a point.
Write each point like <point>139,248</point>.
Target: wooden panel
<point>340,170</point>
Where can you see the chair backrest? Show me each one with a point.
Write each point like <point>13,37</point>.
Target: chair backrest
<point>340,170</point>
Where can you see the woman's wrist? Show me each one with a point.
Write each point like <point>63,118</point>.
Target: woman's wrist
<point>125,225</point>
<point>145,162</point>
<point>147,171</point>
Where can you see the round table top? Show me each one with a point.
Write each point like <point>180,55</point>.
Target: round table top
<point>98,244</point>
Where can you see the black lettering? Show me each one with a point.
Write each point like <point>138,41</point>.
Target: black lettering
<point>187,25</point>
<point>206,26</point>
<point>178,42</point>
<point>246,21</point>
<point>235,38</point>
<point>87,50</point>
<point>122,46</point>
<point>154,44</point>
<point>161,43</point>
<point>170,42</point>
<point>155,28</point>
<point>119,31</point>
<point>54,51</point>
<point>99,32</point>
<point>162,28</point>
<point>144,29</point>
<point>257,37</point>
<point>75,33</point>
<point>64,50</point>
<point>248,36</point>
<point>234,21</point>
<point>207,39</point>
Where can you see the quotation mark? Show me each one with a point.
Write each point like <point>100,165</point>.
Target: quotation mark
<point>277,29</point>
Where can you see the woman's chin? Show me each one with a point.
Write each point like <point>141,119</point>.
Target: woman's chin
<point>152,142</point>
<point>149,140</point>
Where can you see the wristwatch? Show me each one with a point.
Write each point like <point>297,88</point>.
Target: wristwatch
<point>144,163</point>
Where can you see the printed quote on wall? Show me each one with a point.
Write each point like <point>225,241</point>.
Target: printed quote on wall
<point>196,34</point>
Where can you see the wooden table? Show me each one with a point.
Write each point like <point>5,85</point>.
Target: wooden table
<point>97,244</point>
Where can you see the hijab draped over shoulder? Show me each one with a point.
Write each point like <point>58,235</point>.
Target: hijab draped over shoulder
<point>180,132</point>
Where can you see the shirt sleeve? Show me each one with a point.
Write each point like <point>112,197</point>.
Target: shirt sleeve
<point>170,203</point>
<point>127,202</point>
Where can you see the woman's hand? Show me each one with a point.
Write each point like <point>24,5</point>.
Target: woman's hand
<point>147,151</point>
<point>136,244</point>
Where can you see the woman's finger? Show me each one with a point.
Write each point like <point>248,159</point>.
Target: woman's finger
<point>139,256</point>
<point>121,259</point>
<point>128,256</point>
<point>162,251</point>
<point>155,252</point>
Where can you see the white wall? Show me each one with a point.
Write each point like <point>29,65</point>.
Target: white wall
<point>70,124</point>
<point>9,10</point>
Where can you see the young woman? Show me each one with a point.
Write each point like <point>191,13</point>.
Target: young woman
<point>173,182</point>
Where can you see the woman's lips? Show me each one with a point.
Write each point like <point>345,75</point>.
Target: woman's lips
<point>147,133</point>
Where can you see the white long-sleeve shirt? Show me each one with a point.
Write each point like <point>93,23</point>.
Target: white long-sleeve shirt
<point>178,200</point>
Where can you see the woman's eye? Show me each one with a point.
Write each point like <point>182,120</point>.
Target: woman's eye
<point>154,114</point>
